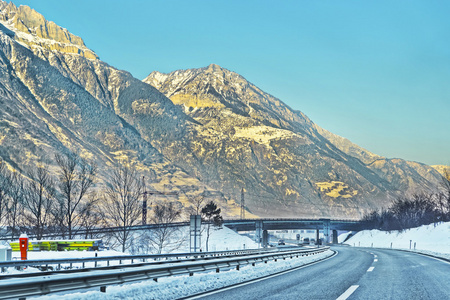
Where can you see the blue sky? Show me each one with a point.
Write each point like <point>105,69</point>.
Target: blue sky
<point>375,72</point>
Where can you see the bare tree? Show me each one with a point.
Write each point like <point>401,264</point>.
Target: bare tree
<point>122,206</point>
<point>164,214</point>
<point>212,217</point>
<point>90,215</point>
<point>75,179</point>
<point>39,200</point>
<point>4,186</point>
<point>15,203</point>
<point>197,202</point>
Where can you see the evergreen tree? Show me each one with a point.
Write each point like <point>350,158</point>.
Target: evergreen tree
<point>211,215</point>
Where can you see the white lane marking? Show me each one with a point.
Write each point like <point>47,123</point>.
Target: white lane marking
<point>348,292</point>
<point>375,260</point>
<point>375,256</point>
<point>370,269</point>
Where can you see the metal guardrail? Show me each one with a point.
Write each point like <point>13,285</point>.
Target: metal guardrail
<point>44,264</point>
<point>40,285</point>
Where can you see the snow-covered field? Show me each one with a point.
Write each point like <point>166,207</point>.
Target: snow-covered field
<point>433,239</point>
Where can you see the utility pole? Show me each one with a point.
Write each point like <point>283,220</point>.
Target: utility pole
<point>242,204</point>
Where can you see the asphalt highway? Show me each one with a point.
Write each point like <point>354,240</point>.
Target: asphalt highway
<point>354,273</point>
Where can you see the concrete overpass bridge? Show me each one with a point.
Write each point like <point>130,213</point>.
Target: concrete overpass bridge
<point>261,226</point>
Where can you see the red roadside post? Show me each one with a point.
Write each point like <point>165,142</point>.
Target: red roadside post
<point>23,242</point>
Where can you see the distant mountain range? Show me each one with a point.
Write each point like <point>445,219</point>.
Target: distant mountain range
<point>189,131</point>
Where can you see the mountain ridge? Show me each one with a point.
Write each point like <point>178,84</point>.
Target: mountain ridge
<point>206,87</point>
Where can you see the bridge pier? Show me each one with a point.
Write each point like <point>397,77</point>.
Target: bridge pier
<point>265,239</point>
<point>335,236</point>
<point>317,237</point>
<point>258,231</point>
<point>326,230</point>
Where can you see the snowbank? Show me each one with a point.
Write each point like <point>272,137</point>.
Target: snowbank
<point>433,237</point>
<point>226,239</point>
<point>343,236</point>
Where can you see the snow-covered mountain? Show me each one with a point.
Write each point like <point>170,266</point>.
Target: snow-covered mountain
<point>187,131</point>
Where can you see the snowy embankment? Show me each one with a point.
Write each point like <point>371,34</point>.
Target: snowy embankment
<point>430,239</point>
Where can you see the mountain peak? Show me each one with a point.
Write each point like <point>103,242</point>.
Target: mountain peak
<point>204,84</point>
<point>214,67</point>
<point>214,87</point>
<point>33,30</point>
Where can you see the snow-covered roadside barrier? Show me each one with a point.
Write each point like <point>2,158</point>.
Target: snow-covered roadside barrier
<point>182,286</point>
<point>433,239</point>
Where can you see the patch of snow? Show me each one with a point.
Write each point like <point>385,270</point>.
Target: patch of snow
<point>262,134</point>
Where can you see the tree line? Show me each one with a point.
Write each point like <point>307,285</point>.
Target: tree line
<point>68,202</point>
<point>414,211</point>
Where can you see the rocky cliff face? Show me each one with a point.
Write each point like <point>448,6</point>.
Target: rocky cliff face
<point>32,29</point>
<point>217,132</point>
<point>58,101</point>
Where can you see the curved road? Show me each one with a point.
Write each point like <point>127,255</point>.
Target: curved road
<point>354,274</point>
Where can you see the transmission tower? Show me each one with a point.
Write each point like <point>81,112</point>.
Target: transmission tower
<point>242,204</point>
